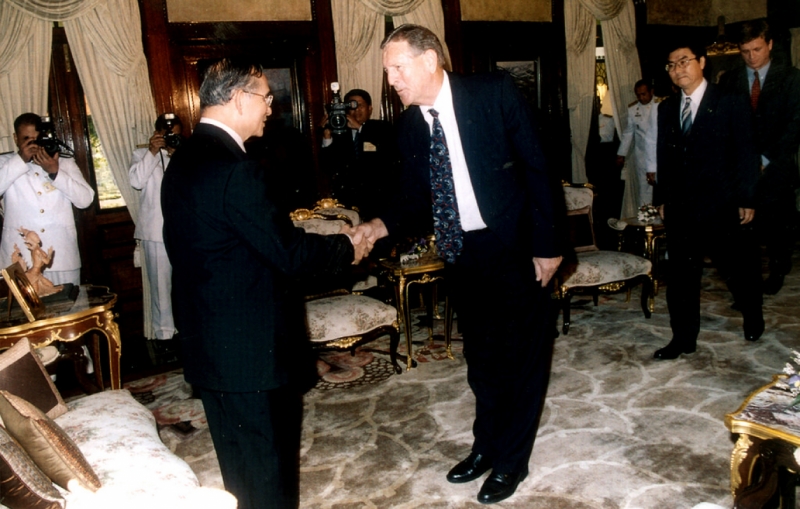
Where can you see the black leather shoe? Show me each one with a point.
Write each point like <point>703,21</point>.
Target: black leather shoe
<point>773,284</point>
<point>499,486</point>
<point>753,328</point>
<point>474,466</point>
<point>673,350</point>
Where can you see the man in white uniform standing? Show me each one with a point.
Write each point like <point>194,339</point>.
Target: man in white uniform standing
<point>39,191</point>
<point>642,134</point>
<point>145,174</point>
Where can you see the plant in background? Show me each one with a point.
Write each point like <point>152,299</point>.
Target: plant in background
<point>792,381</point>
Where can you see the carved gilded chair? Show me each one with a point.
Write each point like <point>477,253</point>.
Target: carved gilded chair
<point>595,271</point>
<point>340,319</point>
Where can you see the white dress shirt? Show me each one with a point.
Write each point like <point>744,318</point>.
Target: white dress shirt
<point>468,211</point>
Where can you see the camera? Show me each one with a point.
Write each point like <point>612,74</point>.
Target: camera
<point>47,136</point>
<point>172,140</point>
<point>337,111</point>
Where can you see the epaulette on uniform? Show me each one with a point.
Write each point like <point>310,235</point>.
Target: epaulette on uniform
<point>658,99</point>
<point>633,103</point>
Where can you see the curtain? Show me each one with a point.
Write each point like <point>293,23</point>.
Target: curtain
<point>358,31</point>
<point>106,42</point>
<point>622,67</point>
<point>25,45</point>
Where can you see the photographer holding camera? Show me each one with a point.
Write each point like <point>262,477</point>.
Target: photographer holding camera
<point>145,174</point>
<point>39,190</point>
<point>363,161</point>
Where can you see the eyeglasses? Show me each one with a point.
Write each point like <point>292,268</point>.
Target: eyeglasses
<point>267,98</point>
<point>680,64</point>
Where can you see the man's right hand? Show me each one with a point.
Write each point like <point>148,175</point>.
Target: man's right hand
<point>28,149</point>
<point>373,230</point>
<point>157,142</point>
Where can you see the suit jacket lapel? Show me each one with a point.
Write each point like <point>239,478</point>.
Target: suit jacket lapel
<point>707,106</point>
<point>462,105</point>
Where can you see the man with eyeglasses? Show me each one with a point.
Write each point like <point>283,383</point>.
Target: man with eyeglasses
<point>707,170</point>
<point>772,89</point>
<point>362,163</point>
<point>235,257</point>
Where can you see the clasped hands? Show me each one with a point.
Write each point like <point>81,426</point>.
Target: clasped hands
<point>364,237</point>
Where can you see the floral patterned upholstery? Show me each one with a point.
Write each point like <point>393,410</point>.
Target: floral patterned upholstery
<point>577,198</point>
<point>342,316</point>
<point>118,437</point>
<point>602,267</point>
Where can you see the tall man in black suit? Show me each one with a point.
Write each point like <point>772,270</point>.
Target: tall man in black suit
<point>707,170</point>
<point>234,257</point>
<point>470,152</point>
<point>772,90</point>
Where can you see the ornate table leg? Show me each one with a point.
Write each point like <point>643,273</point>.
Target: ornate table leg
<point>401,295</point>
<point>448,325</point>
<point>111,330</point>
<point>756,472</point>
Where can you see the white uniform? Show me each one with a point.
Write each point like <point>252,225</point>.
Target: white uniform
<point>31,199</point>
<point>145,173</point>
<point>642,133</point>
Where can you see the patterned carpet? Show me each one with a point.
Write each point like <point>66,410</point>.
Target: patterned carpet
<point>620,430</point>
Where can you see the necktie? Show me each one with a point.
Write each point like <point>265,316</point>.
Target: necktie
<point>357,145</point>
<point>446,222</point>
<point>686,116</point>
<point>755,92</point>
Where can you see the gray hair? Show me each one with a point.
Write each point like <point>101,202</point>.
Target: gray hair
<point>419,38</point>
<point>223,77</point>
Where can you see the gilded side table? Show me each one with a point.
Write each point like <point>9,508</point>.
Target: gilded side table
<point>68,321</point>
<point>653,233</point>
<point>763,461</point>
<point>423,271</point>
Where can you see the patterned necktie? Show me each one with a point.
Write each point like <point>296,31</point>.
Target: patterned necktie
<point>686,116</point>
<point>446,222</point>
<point>755,92</point>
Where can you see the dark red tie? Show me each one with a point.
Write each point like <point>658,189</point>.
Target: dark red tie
<point>755,92</point>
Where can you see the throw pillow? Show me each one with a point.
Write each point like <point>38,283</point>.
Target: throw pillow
<point>22,484</point>
<point>46,443</point>
<point>23,374</point>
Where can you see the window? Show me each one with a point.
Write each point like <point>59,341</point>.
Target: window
<point>107,191</point>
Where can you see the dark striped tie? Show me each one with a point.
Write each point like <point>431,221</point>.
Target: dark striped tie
<point>686,116</point>
<point>446,221</point>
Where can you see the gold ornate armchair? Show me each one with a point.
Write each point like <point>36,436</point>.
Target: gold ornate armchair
<point>596,271</point>
<point>340,319</point>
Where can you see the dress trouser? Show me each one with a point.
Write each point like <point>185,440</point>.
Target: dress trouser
<point>257,439</point>
<point>776,224</point>
<point>735,253</point>
<point>159,274</point>
<point>504,317</point>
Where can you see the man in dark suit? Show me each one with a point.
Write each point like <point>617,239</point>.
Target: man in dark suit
<point>362,162</point>
<point>772,90</point>
<point>470,152</point>
<point>707,170</point>
<point>234,257</point>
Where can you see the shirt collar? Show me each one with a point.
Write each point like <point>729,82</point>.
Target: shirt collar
<point>231,132</point>
<point>698,93</point>
<point>762,73</point>
<point>443,101</point>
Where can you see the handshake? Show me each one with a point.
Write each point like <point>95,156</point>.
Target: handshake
<point>364,237</point>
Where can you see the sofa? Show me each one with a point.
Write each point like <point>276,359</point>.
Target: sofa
<point>97,451</point>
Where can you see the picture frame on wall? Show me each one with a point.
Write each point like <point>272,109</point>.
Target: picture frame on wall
<point>527,78</point>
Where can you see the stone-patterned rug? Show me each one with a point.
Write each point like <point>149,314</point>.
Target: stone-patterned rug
<point>620,430</point>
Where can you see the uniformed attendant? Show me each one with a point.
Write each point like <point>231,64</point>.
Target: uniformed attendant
<point>39,191</point>
<point>641,133</point>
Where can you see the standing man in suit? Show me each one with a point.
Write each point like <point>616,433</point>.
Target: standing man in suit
<point>234,257</point>
<point>772,90</point>
<point>707,170</point>
<point>641,134</point>
<point>470,153</point>
<point>362,162</point>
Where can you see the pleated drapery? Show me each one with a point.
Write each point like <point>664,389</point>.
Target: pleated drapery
<point>106,42</point>
<point>622,69</point>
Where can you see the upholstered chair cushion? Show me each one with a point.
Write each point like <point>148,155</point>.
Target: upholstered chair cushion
<point>601,267</point>
<point>46,443</point>
<point>22,484</point>
<point>23,374</point>
<point>341,316</point>
<point>320,226</point>
<point>577,198</point>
